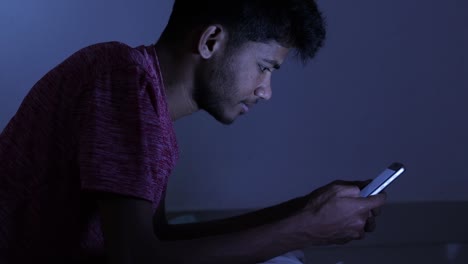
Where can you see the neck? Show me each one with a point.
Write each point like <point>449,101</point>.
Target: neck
<point>177,69</point>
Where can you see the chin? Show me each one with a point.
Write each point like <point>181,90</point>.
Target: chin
<point>225,120</point>
<point>223,117</point>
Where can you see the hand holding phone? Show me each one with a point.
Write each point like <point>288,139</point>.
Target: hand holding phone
<point>383,180</point>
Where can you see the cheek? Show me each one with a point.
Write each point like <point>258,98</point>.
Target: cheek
<point>248,81</point>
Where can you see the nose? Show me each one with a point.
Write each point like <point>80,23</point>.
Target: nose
<point>264,89</point>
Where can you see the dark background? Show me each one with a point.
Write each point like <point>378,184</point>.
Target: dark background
<point>391,84</point>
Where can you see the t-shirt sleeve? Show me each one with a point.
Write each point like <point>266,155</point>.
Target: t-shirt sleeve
<point>117,131</point>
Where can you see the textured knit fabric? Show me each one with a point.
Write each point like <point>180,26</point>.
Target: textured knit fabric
<point>98,122</point>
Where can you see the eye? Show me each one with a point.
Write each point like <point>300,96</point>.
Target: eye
<point>263,68</point>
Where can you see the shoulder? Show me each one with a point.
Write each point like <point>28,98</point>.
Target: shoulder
<point>114,55</point>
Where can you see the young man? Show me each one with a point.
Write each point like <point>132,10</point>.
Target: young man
<point>86,158</point>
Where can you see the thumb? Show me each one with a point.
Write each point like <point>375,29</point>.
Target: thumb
<point>375,201</point>
<point>348,191</point>
<point>359,184</point>
<point>362,184</point>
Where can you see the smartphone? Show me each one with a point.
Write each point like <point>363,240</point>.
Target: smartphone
<point>383,180</point>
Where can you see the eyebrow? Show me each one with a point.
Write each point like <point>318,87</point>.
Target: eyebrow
<point>275,64</point>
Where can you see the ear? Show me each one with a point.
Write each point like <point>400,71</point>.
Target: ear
<point>211,40</point>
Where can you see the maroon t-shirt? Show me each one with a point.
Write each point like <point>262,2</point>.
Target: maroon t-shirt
<point>98,122</point>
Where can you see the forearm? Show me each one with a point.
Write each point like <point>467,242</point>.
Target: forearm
<point>248,246</point>
<point>230,225</point>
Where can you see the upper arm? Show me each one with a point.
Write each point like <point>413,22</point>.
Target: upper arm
<point>128,230</point>
<point>116,135</point>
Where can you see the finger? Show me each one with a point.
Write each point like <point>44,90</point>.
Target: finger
<point>376,211</point>
<point>362,184</point>
<point>370,224</point>
<point>342,241</point>
<point>347,191</point>
<point>360,235</point>
<point>366,204</point>
<point>373,201</point>
<point>359,184</point>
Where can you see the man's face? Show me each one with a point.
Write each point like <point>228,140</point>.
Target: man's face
<point>234,81</point>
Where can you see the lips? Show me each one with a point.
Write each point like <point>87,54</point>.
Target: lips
<point>245,107</point>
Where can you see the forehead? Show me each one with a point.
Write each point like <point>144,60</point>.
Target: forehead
<point>260,50</point>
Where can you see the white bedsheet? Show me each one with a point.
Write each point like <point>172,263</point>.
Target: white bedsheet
<point>293,257</point>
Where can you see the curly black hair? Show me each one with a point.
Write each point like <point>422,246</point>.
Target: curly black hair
<point>296,24</point>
